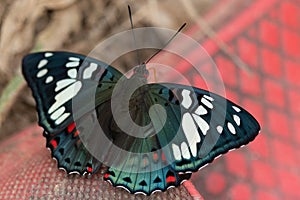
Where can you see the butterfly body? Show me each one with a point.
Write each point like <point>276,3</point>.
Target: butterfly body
<point>162,131</point>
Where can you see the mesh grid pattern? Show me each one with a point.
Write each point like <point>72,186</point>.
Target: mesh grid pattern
<point>266,36</point>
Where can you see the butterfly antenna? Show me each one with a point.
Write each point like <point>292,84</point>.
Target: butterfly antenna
<point>137,52</point>
<point>166,43</point>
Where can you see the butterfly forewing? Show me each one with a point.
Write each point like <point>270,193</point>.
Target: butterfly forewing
<point>57,77</point>
<point>210,125</point>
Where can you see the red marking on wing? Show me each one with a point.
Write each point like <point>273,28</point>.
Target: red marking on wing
<point>106,175</point>
<point>146,162</point>
<point>71,127</point>
<point>155,157</point>
<point>171,179</point>
<point>89,169</point>
<point>163,157</point>
<point>76,133</point>
<point>78,142</point>
<point>53,143</point>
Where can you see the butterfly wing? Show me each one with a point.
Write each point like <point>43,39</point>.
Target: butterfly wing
<point>71,155</point>
<point>144,167</point>
<point>199,126</point>
<point>209,125</point>
<point>55,78</point>
<point>145,182</point>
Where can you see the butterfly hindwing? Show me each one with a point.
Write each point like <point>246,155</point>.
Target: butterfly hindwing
<point>57,77</point>
<point>145,168</point>
<point>146,182</point>
<point>71,155</point>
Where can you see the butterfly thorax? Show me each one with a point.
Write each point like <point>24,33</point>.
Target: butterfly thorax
<point>130,95</point>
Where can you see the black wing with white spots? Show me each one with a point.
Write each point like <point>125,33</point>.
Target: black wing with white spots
<point>57,77</point>
<point>209,125</point>
<point>199,127</point>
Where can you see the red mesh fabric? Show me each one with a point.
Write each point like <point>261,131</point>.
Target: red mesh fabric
<point>266,36</point>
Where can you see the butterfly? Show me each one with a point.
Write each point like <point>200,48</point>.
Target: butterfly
<point>198,125</point>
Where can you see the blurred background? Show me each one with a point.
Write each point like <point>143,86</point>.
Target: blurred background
<point>255,44</point>
<point>77,26</point>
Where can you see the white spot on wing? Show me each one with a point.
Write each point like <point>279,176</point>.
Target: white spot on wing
<point>48,54</point>
<point>89,70</point>
<point>231,128</point>
<point>58,113</point>
<point>191,133</point>
<point>42,63</point>
<point>236,109</point>
<point>207,103</point>
<point>208,97</point>
<point>63,83</point>
<point>62,118</point>
<point>203,125</point>
<point>185,151</point>
<point>72,64</point>
<point>65,95</point>
<point>49,79</point>
<point>201,110</point>
<point>187,101</point>
<point>220,129</point>
<point>42,73</point>
<point>176,152</point>
<point>72,73</point>
<point>237,119</point>
<point>74,59</point>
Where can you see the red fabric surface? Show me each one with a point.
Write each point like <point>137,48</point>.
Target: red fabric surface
<point>266,36</point>
<point>28,172</point>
